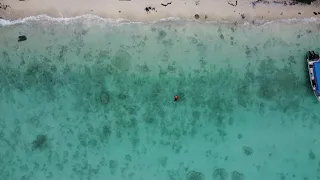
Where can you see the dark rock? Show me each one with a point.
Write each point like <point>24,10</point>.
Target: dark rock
<point>237,176</point>
<point>247,150</point>
<point>22,38</point>
<point>194,175</point>
<point>196,16</point>
<point>220,174</point>
<point>39,142</point>
<point>242,16</point>
<point>104,97</point>
<point>312,156</point>
<point>315,13</point>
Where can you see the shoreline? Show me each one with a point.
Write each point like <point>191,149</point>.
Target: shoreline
<point>205,10</point>
<point>44,17</point>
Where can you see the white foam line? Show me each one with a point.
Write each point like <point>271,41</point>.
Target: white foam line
<point>4,22</point>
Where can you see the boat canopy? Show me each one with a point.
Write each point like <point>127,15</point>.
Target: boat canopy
<point>316,71</point>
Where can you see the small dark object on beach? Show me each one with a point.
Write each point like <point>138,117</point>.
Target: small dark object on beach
<point>197,16</point>
<point>259,1</point>
<point>3,6</point>
<point>21,0</point>
<point>303,1</point>
<point>281,13</point>
<point>205,16</point>
<point>235,5</point>
<point>22,38</point>
<point>315,13</point>
<point>39,142</point>
<point>166,4</point>
<point>299,13</point>
<point>146,9</point>
<point>119,11</point>
<point>242,16</point>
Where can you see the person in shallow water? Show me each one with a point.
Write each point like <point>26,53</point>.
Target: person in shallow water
<point>313,55</point>
<point>176,97</point>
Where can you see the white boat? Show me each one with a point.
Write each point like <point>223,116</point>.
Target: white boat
<point>313,61</point>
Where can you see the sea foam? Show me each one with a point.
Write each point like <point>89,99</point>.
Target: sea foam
<point>97,19</point>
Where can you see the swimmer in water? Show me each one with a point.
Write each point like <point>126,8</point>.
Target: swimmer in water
<point>176,97</point>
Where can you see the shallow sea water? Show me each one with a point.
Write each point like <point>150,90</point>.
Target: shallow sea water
<point>89,100</point>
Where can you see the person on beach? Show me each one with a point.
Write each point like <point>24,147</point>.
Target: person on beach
<point>176,97</point>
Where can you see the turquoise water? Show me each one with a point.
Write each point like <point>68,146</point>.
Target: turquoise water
<point>90,100</point>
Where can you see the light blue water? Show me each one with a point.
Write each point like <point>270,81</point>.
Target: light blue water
<point>89,100</point>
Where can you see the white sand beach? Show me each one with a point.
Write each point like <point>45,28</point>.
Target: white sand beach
<point>135,9</point>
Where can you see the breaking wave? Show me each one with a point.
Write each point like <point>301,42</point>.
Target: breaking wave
<point>97,19</point>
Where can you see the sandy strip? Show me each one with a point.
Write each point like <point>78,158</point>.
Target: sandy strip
<point>134,10</point>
